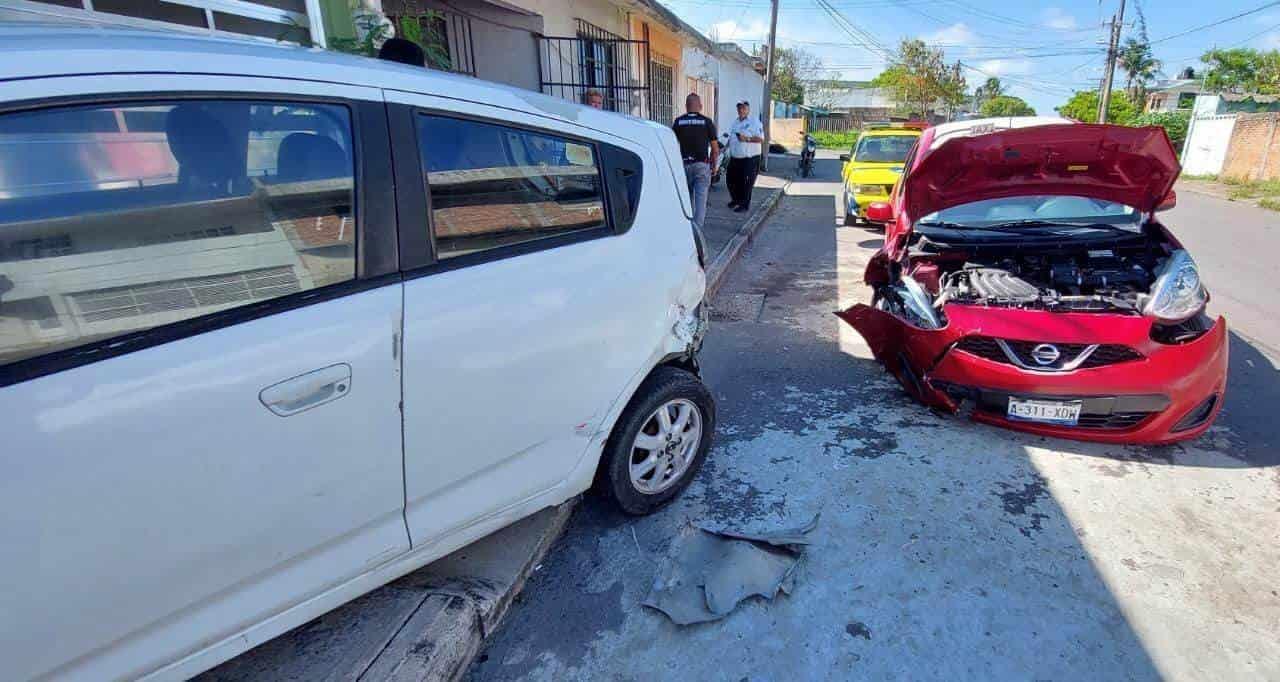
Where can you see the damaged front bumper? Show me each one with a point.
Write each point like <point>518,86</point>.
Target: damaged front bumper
<point>1150,393</point>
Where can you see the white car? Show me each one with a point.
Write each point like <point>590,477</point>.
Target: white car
<point>278,326</point>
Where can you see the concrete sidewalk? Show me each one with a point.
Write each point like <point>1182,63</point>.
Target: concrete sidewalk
<point>429,624</point>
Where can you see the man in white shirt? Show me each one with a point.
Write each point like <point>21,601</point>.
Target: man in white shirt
<point>746,136</point>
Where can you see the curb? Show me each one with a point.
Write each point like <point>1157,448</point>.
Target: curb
<point>469,593</point>
<point>729,255</point>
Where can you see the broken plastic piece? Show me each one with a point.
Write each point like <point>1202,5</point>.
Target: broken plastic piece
<point>713,570</point>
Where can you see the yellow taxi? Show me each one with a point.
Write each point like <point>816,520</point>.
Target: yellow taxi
<point>874,165</point>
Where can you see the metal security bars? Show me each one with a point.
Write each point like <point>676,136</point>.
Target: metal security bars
<point>596,60</point>
<point>661,80</point>
<point>447,36</point>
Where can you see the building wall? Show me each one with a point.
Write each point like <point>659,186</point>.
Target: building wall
<point>1254,150</point>
<point>738,82</point>
<point>788,132</point>
<point>559,17</point>
<point>700,69</point>
<point>666,47</point>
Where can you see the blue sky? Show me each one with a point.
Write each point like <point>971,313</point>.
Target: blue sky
<point>1041,51</point>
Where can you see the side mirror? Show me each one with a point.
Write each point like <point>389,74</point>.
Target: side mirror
<point>1169,201</point>
<point>879,212</point>
<point>844,157</point>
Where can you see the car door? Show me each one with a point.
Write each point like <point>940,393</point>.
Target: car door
<point>529,314</point>
<point>199,375</point>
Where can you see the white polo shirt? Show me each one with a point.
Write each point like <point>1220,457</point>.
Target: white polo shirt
<point>750,127</point>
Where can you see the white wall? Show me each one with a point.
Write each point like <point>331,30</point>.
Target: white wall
<point>737,82</point>
<point>1206,145</point>
<point>560,16</point>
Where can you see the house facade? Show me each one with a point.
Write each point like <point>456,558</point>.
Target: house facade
<point>1172,95</point>
<point>639,55</point>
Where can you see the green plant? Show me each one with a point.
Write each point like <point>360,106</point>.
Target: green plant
<point>1083,106</point>
<point>1174,123</point>
<point>1206,177</point>
<point>1270,203</point>
<point>425,28</point>
<point>835,140</point>
<point>1006,105</point>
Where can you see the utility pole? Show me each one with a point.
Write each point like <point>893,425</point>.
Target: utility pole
<point>768,86</point>
<point>1113,48</point>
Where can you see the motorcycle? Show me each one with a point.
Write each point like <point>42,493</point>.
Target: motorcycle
<point>722,168</point>
<point>807,155</point>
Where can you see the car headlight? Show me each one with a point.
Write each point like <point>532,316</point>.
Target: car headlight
<point>869,189</point>
<point>1177,293</point>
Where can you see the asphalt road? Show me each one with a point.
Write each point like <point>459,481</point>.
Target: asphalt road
<point>945,549</point>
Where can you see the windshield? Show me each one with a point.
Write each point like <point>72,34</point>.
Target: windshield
<point>884,148</point>
<point>1035,209</point>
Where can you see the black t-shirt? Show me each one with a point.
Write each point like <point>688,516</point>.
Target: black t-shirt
<point>695,133</point>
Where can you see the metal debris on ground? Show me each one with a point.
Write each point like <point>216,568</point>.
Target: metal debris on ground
<point>714,569</point>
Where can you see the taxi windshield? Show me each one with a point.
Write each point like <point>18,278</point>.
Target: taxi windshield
<point>884,148</point>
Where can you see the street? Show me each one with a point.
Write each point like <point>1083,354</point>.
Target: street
<point>944,548</point>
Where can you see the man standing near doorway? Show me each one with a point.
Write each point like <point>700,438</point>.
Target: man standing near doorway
<point>745,138</point>
<point>700,150</point>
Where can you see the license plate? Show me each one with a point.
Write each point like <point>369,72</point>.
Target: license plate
<point>1066,413</point>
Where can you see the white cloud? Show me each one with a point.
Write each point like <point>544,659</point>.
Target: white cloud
<point>730,30</point>
<point>1005,67</point>
<point>955,34</point>
<point>1056,18</point>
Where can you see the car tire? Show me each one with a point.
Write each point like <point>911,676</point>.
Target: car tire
<point>849,218</point>
<point>622,475</point>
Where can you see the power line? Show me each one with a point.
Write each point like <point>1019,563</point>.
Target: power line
<point>1216,23</point>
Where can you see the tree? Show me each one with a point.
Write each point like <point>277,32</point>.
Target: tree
<point>1005,105</point>
<point>991,89</point>
<point>1083,106</point>
<point>917,78</point>
<point>791,69</point>
<point>1242,70</point>
<point>1139,65</point>
<point>1174,123</point>
<point>1187,73</point>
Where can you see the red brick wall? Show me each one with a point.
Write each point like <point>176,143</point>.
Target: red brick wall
<point>1254,150</point>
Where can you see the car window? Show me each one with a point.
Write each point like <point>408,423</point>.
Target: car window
<point>884,148</point>
<point>1036,207</point>
<point>118,218</point>
<point>494,185</point>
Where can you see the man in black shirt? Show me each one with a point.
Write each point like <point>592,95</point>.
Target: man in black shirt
<point>701,152</point>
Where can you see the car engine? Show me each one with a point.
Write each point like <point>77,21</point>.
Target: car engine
<point>1100,279</point>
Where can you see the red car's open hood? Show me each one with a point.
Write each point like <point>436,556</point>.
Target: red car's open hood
<point>1132,166</point>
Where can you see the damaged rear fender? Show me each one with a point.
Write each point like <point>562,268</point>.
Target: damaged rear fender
<point>906,351</point>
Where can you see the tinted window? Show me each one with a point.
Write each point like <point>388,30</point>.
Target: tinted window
<point>493,186</point>
<point>120,218</point>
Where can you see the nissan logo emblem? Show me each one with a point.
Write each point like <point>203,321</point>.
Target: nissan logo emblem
<point>1045,354</point>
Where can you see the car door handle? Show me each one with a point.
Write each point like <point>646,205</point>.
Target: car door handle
<point>306,391</point>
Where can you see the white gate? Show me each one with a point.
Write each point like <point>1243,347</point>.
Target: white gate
<point>1206,145</point>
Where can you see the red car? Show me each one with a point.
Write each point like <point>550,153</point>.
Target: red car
<point>1025,271</point>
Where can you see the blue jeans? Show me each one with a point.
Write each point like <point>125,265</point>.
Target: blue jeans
<point>698,176</point>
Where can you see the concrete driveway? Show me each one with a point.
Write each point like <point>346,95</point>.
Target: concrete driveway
<point>945,549</point>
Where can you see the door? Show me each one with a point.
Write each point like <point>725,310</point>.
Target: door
<point>529,320</point>
<point>198,378</point>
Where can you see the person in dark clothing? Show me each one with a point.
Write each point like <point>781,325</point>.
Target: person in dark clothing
<point>700,149</point>
<point>402,51</point>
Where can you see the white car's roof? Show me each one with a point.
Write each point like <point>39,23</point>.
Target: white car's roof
<point>29,50</point>
<point>982,126</point>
